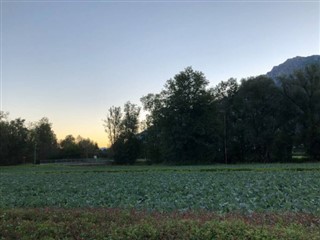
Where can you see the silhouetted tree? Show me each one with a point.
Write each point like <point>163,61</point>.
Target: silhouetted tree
<point>303,90</point>
<point>258,107</point>
<point>13,140</point>
<point>43,140</point>
<point>182,118</point>
<point>77,148</point>
<point>87,147</point>
<point>122,129</point>
<point>113,124</point>
<point>224,94</point>
<point>69,147</point>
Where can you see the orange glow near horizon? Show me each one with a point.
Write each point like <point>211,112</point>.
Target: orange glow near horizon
<point>95,134</point>
<point>101,139</point>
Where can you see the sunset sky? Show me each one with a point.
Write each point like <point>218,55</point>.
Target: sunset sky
<point>72,60</point>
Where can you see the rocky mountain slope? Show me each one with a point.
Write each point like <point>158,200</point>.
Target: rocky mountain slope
<point>291,65</point>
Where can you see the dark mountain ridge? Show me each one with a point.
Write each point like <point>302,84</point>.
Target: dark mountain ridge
<point>291,65</point>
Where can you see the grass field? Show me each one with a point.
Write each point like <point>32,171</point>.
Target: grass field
<point>258,201</point>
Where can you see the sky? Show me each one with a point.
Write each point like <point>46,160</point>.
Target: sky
<point>70,61</point>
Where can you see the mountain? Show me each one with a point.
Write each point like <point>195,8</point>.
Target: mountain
<point>291,65</point>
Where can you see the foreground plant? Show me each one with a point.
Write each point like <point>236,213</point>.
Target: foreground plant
<point>100,223</point>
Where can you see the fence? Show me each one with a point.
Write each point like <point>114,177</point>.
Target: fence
<point>83,161</point>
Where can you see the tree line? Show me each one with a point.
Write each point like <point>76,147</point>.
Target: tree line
<point>256,120</point>
<point>22,144</point>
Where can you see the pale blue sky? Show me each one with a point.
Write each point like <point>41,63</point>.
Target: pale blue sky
<point>72,60</point>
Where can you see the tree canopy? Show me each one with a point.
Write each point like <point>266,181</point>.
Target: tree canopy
<point>254,121</point>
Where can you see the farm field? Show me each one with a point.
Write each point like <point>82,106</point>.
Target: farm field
<point>285,195</point>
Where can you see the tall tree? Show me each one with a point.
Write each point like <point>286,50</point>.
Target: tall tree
<point>69,148</point>
<point>122,129</point>
<point>258,106</point>
<point>183,114</point>
<point>113,124</point>
<point>130,121</point>
<point>303,90</point>
<point>13,140</point>
<point>152,144</point>
<point>224,94</point>
<point>87,147</point>
<point>44,140</point>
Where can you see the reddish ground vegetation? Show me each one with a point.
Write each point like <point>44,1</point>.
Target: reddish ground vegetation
<point>101,223</point>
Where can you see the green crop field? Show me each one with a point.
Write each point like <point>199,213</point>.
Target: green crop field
<point>163,189</point>
<point>244,190</point>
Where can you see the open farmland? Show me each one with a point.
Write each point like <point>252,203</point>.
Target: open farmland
<point>167,189</point>
<point>243,190</point>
